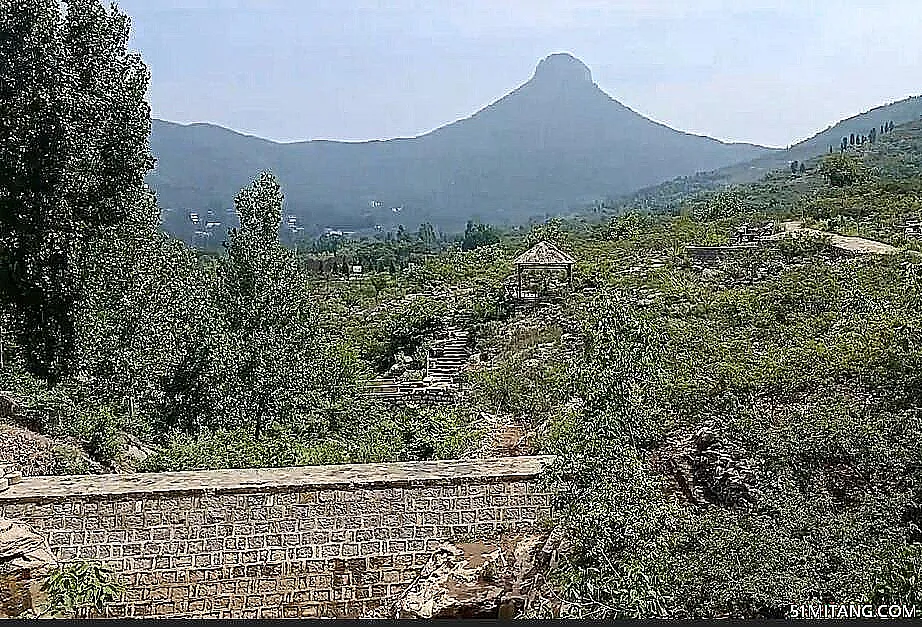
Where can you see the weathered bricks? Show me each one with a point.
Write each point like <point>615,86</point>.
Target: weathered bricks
<point>264,543</point>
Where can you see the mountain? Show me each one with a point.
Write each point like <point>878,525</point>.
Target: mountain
<point>900,112</point>
<point>664,196</point>
<point>556,142</point>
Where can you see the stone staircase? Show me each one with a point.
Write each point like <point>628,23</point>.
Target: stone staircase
<point>392,391</point>
<point>447,357</point>
<point>444,362</point>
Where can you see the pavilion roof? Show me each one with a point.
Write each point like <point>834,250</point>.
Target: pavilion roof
<point>544,254</point>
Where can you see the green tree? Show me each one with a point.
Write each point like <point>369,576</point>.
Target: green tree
<point>477,234</point>
<point>427,235</point>
<point>841,170</point>
<point>136,324</point>
<point>75,125</point>
<point>267,342</point>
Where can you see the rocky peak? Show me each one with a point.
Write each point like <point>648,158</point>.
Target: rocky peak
<point>562,67</point>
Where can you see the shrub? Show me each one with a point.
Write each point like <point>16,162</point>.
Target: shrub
<point>79,588</point>
<point>841,170</point>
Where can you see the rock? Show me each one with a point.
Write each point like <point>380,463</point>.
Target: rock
<point>459,581</point>
<point>9,408</point>
<point>25,559</point>
<point>134,454</point>
<point>475,580</point>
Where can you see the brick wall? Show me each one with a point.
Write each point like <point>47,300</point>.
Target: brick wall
<point>285,542</point>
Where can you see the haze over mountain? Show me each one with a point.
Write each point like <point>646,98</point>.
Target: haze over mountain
<point>555,143</point>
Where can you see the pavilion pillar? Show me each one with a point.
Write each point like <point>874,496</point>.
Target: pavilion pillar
<point>518,272</point>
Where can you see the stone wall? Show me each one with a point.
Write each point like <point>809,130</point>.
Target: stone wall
<point>283,542</point>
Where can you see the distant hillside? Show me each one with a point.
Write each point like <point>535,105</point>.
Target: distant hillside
<point>556,142</point>
<point>662,194</point>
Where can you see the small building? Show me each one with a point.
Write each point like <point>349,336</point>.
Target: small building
<point>752,234</point>
<point>912,228</point>
<point>545,260</point>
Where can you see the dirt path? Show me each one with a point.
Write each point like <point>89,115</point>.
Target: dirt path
<point>858,245</point>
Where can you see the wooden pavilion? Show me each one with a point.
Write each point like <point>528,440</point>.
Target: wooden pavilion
<point>544,257</point>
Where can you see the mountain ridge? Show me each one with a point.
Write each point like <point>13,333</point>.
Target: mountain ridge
<point>544,63</point>
<point>555,142</point>
<point>899,112</point>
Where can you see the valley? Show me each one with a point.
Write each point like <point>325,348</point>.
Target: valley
<point>553,360</point>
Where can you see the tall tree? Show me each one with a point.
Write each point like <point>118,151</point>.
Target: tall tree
<point>75,151</point>
<point>266,366</point>
<point>427,235</point>
<point>139,325</point>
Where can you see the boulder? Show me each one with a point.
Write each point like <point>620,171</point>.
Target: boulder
<point>25,559</point>
<point>475,580</point>
<point>9,407</point>
<point>135,452</point>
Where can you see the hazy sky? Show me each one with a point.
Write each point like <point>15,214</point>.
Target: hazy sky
<point>770,71</point>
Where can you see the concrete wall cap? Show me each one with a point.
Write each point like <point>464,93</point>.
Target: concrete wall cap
<point>341,476</point>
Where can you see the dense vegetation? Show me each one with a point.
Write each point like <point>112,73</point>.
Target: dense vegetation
<point>731,437</point>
